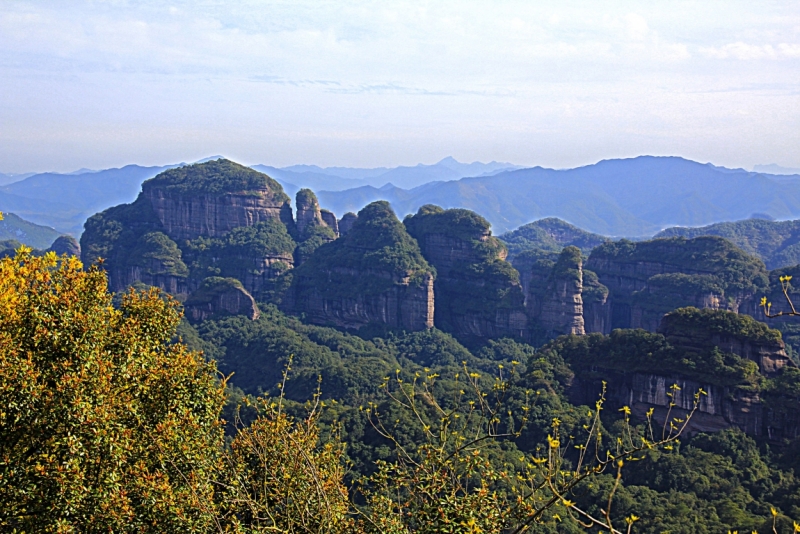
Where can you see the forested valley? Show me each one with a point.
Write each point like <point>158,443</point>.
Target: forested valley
<point>222,361</point>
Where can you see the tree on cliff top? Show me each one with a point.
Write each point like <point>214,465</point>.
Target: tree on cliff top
<point>214,177</point>
<point>357,262</point>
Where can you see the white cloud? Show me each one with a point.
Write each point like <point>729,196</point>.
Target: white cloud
<point>439,69</point>
<point>745,51</point>
<point>789,50</point>
<point>636,26</point>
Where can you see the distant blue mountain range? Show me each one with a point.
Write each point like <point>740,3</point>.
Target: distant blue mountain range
<point>621,197</point>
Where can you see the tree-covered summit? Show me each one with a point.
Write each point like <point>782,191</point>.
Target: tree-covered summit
<point>215,177</point>
<point>731,266</point>
<point>378,240</point>
<point>459,223</point>
<point>775,242</point>
<point>550,234</point>
<point>367,259</point>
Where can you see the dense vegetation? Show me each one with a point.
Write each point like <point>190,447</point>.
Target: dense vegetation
<point>215,177</point>
<point>777,243</point>
<point>476,281</point>
<point>108,426</point>
<point>734,269</point>
<point>376,254</point>
<point>376,430</point>
<point>551,235</point>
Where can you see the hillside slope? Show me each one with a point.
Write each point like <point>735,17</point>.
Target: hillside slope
<point>36,236</point>
<point>777,243</point>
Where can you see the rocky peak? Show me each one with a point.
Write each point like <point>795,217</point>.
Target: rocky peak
<point>478,293</point>
<point>66,244</point>
<point>698,331</point>
<point>561,310</point>
<point>218,296</point>
<point>374,274</point>
<point>330,221</point>
<point>212,198</point>
<point>346,222</point>
<point>308,213</point>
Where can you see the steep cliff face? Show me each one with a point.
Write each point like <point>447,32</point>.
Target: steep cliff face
<point>478,293</point>
<point>66,244</point>
<point>595,303</point>
<point>375,274</point>
<point>253,245</point>
<point>308,211</point>
<point>312,231</point>
<point>695,331</point>
<point>718,409</point>
<point>560,308</point>
<point>254,255</point>
<point>218,296</point>
<point>645,280</point>
<point>155,260</point>
<point>213,198</point>
<point>738,362</point>
<point>330,221</point>
<point>346,222</point>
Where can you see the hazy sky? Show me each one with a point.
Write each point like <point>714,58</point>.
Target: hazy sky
<point>99,84</point>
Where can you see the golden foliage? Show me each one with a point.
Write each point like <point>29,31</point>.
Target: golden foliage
<point>104,424</point>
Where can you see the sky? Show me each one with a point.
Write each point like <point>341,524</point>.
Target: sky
<point>560,84</point>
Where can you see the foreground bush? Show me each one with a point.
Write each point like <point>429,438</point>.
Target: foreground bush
<point>104,424</point>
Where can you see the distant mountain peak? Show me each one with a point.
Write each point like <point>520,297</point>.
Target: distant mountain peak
<point>774,168</point>
<point>212,158</point>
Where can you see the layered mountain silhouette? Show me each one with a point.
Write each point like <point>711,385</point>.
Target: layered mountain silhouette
<point>623,197</point>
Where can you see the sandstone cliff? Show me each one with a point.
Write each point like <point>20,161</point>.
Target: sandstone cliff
<point>737,361</point>
<point>374,274</point>
<point>559,308</point>
<point>308,212</point>
<point>213,198</point>
<point>697,331</point>
<point>645,280</point>
<point>478,293</point>
<point>236,219</point>
<point>66,244</point>
<point>346,222</point>
<point>718,409</point>
<point>217,297</point>
<point>330,221</point>
<point>312,230</point>
<point>155,260</point>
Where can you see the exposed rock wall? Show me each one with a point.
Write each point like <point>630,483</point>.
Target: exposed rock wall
<point>403,305</point>
<point>646,280</point>
<point>308,211</point>
<point>346,222</point>
<point>691,337</point>
<point>556,302</point>
<point>220,296</point>
<point>185,216</point>
<point>374,274</point>
<point>719,409</point>
<point>120,279</point>
<point>478,293</point>
<point>698,332</point>
<point>330,221</point>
